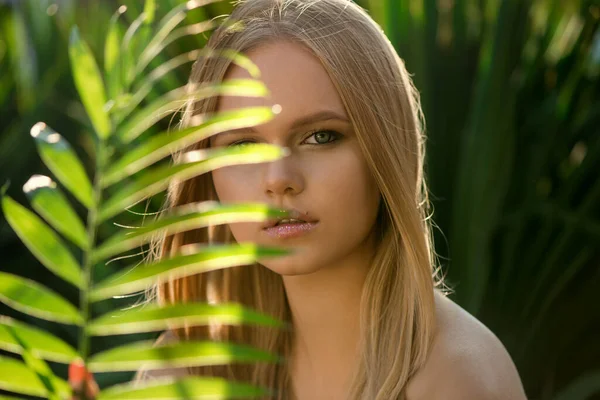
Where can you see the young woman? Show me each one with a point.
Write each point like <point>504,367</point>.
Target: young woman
<point>370,320</point>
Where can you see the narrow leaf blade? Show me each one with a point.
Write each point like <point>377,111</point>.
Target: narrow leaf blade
<point>200,388</point>
<point>158,109</point>
<point>51,204</point>
<point>185,218</point>
<point>88,81</point>
<point>157,318</point>
<point>153,181</point>
<point>159,146</point>
<point>42,344</point>
<point>195,259</point>
<point>60,158</point>
<point>45,245</point>
<point>16,377</point>
<point>146,354</point>
<point>32,298</point>
<point>112,52</point>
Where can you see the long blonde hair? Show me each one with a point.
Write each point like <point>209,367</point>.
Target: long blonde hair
<point>397,303</point>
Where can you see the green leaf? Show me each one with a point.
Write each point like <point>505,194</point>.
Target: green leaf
<point>157,318</point>
<point>148,355</point>
<point>60,158</point>
<point>149,82</point>
<point>32,298</point>
<point>195,259</point>
<point>88,82</point>
<point>128,49</point>
<point>2,397</point>
<point>51,204</point>
<point>583,387</point>
<point>165,27</point>
<point>165,105</point>
<point>159,146</point>
<point>185,218</point>
<point>17,377</point>
<point>155,180</point>
<point>149,11</point>
<point>42,241</point>
<point>199,388</point>
<point>42,344</point>
<point>112,54</point>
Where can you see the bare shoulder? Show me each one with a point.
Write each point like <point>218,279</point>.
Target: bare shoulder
<point>466,361</point>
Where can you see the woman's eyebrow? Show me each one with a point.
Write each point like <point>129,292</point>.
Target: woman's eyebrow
<point>320,116</point>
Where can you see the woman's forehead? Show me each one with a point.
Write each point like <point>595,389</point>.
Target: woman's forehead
<point>294,77</point>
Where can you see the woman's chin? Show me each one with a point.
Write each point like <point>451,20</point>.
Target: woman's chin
<point>290,266</point>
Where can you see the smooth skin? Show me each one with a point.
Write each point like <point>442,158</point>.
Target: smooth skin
<point>327,177</point>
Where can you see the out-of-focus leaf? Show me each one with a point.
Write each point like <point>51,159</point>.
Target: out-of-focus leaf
<point>146,354</point>
<point>156,318</point>
<point>157,179</point>
<point>52,384</point>
<point>159,146</point>
<point>128,49</point>
<point>60,158</point>
<point>195,259</point>
<point>185,218</point>
<point>45,245</point>
<point>17,377</point>
<point>149,11</point>
<point>158,109</point>
<point>583,387</point>
<point>41,343</point>
<point>112,53</point>
<point>88,81</point>
<point>200,388</point>
<point>32,298</point>
<point>165,26</point>
<point>51,204</point>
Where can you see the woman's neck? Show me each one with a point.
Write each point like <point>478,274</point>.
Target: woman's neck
<point>325,307</point>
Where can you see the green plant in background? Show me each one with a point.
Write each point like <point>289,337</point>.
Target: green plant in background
<point>129,168</point>
<point>511,96</point>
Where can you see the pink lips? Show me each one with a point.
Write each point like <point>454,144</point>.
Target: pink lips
<point>285,231</point>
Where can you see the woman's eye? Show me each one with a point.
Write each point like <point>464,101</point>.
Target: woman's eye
<point>240,143</point>
<point>324,137</point>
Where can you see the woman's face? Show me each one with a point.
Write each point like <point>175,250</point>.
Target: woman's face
<point>325,177</point>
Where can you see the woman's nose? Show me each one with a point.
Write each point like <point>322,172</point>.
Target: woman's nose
<point>283,177</point>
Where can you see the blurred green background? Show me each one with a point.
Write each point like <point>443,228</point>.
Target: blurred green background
<point>511,95</point>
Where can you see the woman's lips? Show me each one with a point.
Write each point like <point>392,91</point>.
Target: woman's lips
<point>287,231</point>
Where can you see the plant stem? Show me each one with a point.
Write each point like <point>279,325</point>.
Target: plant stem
<point>84,304</point>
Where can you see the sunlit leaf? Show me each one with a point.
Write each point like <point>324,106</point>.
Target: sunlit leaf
<point>16,377</point>
<point>61,159</point>
<point>89,83</point>
<point>149,11</point>
<point>159,146</point>
<point>154,180</point>
<point>200,388</point>
<point>185,218</point>
<point>42,241</point>
<point>32,298</point>
<point>51,204</point>
<point>156,318</point>
<point>41,343</point>
<point>195,259</point>
<point>54,385</point>
<point>165,26</point>
<point>175,99</point>
<point>146,354</point>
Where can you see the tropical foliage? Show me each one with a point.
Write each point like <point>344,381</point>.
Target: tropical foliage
<point>511,99</point>
<point>129,168</point>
